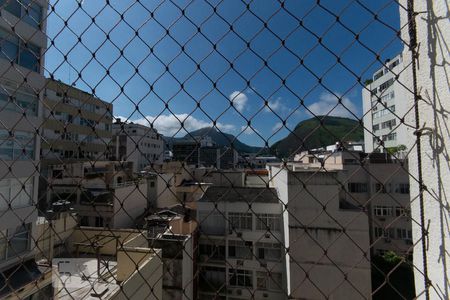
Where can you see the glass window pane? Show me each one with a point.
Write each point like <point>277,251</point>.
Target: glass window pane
<point>8,48</point>
<point>18,243</point>
<point>29,57</point>
<point>4,194</point>
<point>11,6</point>
<point>31,13</point>
<point>6,145</point>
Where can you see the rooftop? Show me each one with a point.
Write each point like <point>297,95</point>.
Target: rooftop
<point>240,194</point>
<point>79,278</point>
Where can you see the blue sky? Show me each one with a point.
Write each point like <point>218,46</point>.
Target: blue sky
<point>130,71</point>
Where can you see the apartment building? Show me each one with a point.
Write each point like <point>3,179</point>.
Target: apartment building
<point>23,44</point>
<point>77,125</point>
<point>137,143</point>
<point>384,106</point>
<point>381,187</point>
<point>175,233</point>
<point>241,244</point>
<point>103,193</point>
<point>327,240</point>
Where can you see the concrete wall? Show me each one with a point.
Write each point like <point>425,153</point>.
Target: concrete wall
<point>53,233</point>
<point>433,69</point>
<point>320,252</point>
<point>140,271</point>
<point>129,203</point>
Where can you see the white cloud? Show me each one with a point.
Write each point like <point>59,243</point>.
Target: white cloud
<point>248,130</point>
<point>239,100</point>
<point>326,106</point>
<point>277,126</point>
<point>170,125</point>
<point>276,105</point>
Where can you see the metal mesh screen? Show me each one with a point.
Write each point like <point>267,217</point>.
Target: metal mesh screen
<point>212,150</point>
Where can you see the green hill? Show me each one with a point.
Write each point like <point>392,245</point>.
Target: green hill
<point>223,139</point>
<point>318,132</point>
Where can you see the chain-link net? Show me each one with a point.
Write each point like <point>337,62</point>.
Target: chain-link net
<point>212,150</point>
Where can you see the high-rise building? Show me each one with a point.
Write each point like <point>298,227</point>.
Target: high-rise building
<point>78,126</point>
<point>140,144</point>
<point>23,42</point>
<point>384,107</point>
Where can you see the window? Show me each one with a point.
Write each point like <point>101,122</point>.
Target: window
<point>383,112</point>
<point>386,233</point>
<point>18,101</point>
<point>394,64</point>
<point>241,278</point>
<point>213,251</point>
<point>389,137</point>
<point>27,10</point>
<point>357,187</point>
<point>376,127</point>
<point>402,234</point>
<point>388,124</point>
<point>378,75</point>
<point>402,188</point>
<point>240,221</point>
<point>382,211</point>
<point>14,241</point>
<point>386,84</point>
<point>240,249</point>
<point>98,222</point>
<point>382,188</point>
<point>269,281</point>
<point>268,222</point>
<point>268,251</point>
<point>401,211</point>
<point>212,277</point>
<point>14,50</point>
<point>17,145</point>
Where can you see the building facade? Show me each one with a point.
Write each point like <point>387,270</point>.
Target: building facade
<point>384,107</point>
<point>201,151</point>
<point>380,187</point>
<point>23,43</point>
<point>239,246</point>
<point>140,144</point>
<point>77,126</point>
<point>328,243</point>
<point>104,193</point>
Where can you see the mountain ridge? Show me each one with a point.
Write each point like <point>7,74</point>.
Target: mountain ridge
<point>308,134</point>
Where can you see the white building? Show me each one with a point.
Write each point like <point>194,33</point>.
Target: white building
<point>240,245</point>
<point>142,145</point>
<point>381,188</point>
<point>328,243</point>
<point>104,193</point>
<point>433,69</point>
<point>384,105</point>
<point>23,43</point>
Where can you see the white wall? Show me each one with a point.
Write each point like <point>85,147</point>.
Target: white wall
<point>433,71</point>
<point>323,232</point>
<point>134,201</point>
